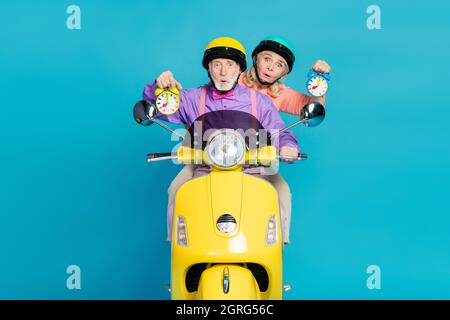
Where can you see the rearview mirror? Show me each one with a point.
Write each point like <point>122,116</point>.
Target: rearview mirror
<point>312,114</point>
<point>144,111</point>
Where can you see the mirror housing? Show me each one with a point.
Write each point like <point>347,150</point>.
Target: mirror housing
<point>312,114</point>
<point>144,111</point>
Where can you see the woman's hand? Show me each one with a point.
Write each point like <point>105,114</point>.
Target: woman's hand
<point>166,79</point>
<point>321,66</point>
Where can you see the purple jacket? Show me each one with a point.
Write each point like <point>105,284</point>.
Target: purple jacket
<point>188,112</point>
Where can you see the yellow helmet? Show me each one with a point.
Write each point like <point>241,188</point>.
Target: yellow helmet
<point>225,47</point>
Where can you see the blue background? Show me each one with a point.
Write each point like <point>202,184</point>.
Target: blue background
<point>75,187</point>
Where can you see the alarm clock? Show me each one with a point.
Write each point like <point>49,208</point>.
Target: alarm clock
<point>167,100</point>
<point>317,84</point>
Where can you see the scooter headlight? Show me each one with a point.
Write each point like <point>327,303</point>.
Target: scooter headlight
<point>226,149</point>
<point>226,223</point>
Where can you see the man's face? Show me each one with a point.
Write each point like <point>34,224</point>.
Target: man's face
<point>224,73</point>
<point>271,66</point>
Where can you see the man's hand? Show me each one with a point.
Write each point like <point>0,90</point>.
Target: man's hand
<point>321,66</point>
<point>166,79</point>
<point>289,152</point>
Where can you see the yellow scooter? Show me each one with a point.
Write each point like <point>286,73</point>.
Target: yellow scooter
<point>226,237</point>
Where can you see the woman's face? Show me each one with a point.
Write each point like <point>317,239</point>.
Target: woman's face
<point>270,66</point>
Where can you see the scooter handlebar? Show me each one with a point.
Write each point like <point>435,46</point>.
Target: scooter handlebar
<point>152,157</point>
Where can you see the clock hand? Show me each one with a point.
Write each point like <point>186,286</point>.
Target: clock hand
<point>166,101</point>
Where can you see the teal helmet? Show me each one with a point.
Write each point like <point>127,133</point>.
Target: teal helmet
<point>278,45</point>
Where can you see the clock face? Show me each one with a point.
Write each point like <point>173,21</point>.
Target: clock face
<point>167,103</point>
<point>317,86</point>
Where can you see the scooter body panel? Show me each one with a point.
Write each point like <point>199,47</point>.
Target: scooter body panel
<point>251,201</point>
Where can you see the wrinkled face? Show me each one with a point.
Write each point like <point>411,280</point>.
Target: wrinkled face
<point>224,73</point>
<point>270,66</point>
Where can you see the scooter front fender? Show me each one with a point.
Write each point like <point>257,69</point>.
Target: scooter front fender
<point>228,282</point>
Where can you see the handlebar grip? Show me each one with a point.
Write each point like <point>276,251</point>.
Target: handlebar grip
<point>300,156</point>
<point>161,156</point>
